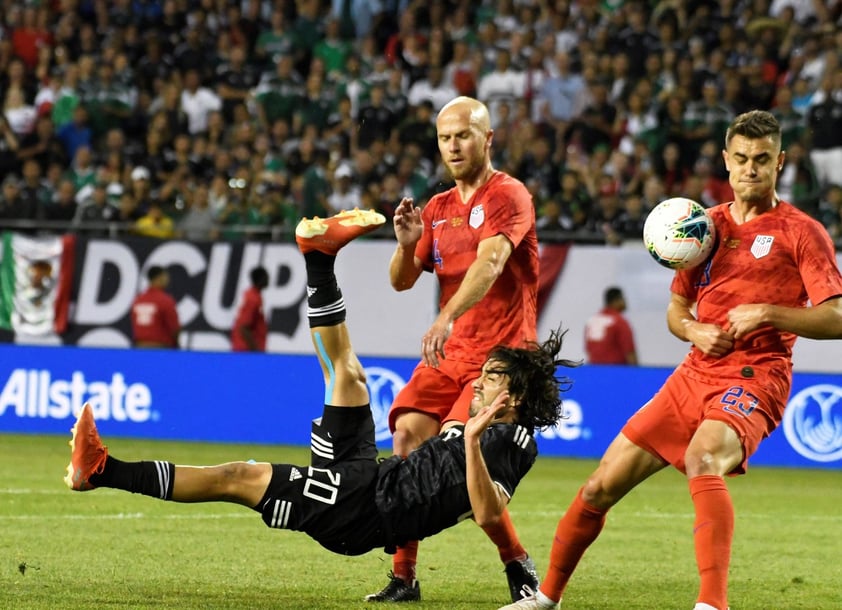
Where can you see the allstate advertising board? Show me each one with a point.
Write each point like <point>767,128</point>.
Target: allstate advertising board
<point>271,398</point>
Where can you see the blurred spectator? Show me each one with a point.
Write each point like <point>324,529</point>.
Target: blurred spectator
<point>140,186</point>
<point>549,218</point>
<point>792,122</point>
<point>31,34</point>
<point>824,122</point>
<point>63,207</point>
<point>34,190</point>
<point>97,211</point>
<point>706,119</point>
<point>198,222</point>
<point>433,88</point>
<point>503,84</point>
<point>155,223</point>
<point>830,210</point>
<point>234,81</point>
<point>275,42</point>
<point>111,102</point>
<point>279,92</point>
<point>18,113</point>
<point>317,104</point>
<point>345,194</point>
<point>561,95</point>
<point>332,49</point>
<point>249,331</point>
<point>797,181</point>
<point>197,101</point>
<point>77,133</point>
<point>82,170</point>
<point>9,146</point>
<point>630,223</point>
<point>597,119</point>
<point>608,335</point>
<point>42,145</point>
<point>154,315</point>
<point>12,205</point>
<point>419,129</point>
<point>375,119</point>
<point>671,170</point>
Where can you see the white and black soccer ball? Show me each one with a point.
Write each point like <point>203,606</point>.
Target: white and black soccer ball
<point>679,233</point>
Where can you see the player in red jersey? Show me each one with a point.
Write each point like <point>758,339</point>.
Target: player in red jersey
<point>154,315</point>
<point>250,329</point>
<point>479,239</point>
<point>730,391</point>
<point>608,335</point>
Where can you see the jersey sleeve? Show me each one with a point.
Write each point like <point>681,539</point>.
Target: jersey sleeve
<point>509,212</point>
<point>424,247</point>
<point>817,264</point>
<point>509,452</point>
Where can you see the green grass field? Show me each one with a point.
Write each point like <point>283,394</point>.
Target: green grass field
<point>109,549</point>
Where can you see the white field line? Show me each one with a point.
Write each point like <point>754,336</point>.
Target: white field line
<point>129,516</point>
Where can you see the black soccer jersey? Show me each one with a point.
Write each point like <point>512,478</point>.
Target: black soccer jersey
<point>351,504</point>
<point>427,492</point>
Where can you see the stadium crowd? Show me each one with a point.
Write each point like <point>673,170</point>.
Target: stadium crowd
<point>208,119</point>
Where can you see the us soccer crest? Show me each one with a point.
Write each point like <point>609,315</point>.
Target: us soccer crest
<point>477,217</point>
<point>761,246</point>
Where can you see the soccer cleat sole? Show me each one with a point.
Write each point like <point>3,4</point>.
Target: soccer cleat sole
<point>329,235</point>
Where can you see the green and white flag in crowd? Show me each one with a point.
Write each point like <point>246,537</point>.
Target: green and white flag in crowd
<point>36,277</point>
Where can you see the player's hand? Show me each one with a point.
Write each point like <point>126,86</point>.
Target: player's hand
<point>746,318</point>
<point>407,222</point>
<point>710,339</point>
<point>432,343</point>
<point>477,424</point>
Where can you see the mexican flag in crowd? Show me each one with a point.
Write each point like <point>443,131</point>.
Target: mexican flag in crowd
<point>36,276</point>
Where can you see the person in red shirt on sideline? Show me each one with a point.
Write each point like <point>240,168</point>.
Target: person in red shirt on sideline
<point>479,239</point>
<point>249,331</point>
<point>154,315</point>
<point>773,278</point>
<point>608,335</point>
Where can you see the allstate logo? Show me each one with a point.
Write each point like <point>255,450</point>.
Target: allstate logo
<point>813,422</point>
<point>383,386</point>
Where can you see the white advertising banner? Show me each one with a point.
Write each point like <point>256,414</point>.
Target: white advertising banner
<point>208,279</point>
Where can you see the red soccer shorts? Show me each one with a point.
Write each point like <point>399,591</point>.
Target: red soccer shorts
<point>753,407</point>
<point>444,393</point>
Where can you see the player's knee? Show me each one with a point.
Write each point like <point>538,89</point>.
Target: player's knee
<point>597,492</point>
<point>700,461</point>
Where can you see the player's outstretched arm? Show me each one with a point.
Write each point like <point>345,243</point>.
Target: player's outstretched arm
<point>487,499</point>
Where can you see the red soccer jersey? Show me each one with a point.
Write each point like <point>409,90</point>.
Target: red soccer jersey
<point>251,316</point>
<point>452,232</point>
<point>155,319</point>
<point>782,257</point>
<point>608,338</point>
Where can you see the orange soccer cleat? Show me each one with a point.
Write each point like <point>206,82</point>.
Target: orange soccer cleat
<point>329,235</point>
<point>88,454</point>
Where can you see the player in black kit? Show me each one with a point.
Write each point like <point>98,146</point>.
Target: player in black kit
<point>346,499</point>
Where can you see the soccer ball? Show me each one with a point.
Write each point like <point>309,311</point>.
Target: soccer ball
<point>678,233</point>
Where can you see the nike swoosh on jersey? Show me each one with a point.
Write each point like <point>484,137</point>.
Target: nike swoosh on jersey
<point>436,223</point>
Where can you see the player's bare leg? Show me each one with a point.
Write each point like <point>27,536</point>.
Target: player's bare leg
<point>91,467</point>
<point>622,468</point>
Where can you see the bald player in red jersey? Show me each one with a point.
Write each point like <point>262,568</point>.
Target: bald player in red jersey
<point>479,239</point>
<point>729,393</point>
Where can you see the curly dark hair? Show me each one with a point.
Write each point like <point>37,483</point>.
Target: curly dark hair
<point>532,378</point>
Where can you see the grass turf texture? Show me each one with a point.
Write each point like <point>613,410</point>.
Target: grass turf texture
<point>110,549</point>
